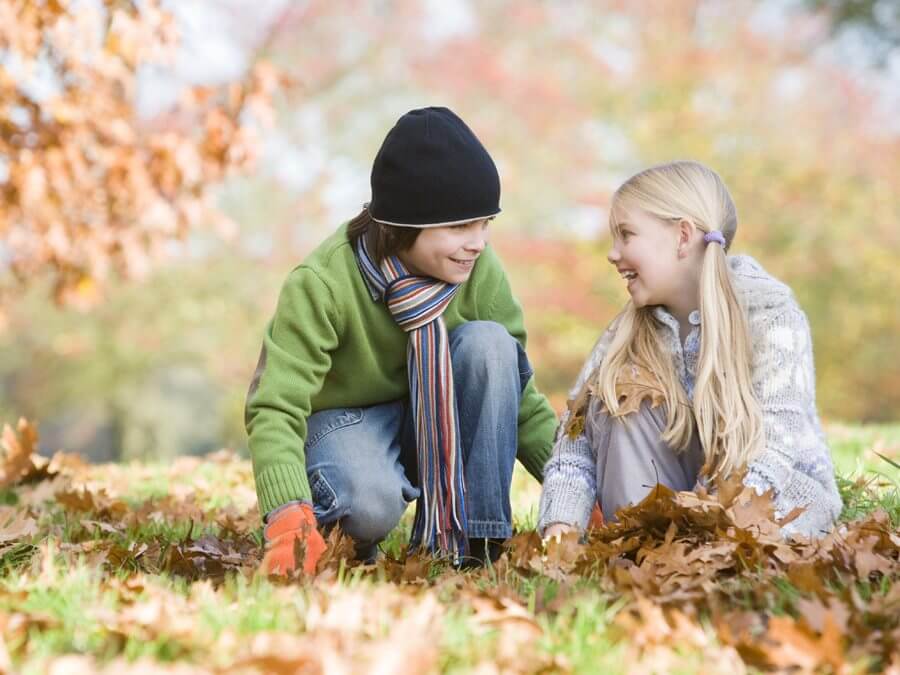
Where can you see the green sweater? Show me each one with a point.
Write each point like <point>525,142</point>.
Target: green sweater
<point>330,345</point>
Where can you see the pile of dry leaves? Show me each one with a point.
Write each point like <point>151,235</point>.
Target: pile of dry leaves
<point>684,571</point>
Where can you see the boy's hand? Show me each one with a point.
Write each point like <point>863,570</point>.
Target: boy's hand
<point>292,523</point>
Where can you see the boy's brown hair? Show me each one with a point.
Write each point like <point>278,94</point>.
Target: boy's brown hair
<point>384,240</point>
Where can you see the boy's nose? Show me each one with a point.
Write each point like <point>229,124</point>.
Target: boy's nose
<point>613,255</point>
<point>478,242</point>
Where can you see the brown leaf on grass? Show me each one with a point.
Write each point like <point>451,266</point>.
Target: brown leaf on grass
<point>170,509</point>
<point>237,523</point>
<point>522,547</point>
<point>727,488</point>
<point>77,664</point>
<point>413,567</point>
<point>742,629</point>
<point>338,548</point>
<point>5,660</point>
<point>667,561</point>
<point>516,633</point>
<point>210,557</point>
<point>100,503</point>
<point>646,623</point>
<point>560,557</point>
<point>282,654</point>
<point>793,644</point>
<point>817,614</point>
<point>868,562</point>
<point>661,639</point>
<point>20,460</point>
<point>752,511</point>
<point>15,525</point>
<point>67,463</point>
<point>805,576</point>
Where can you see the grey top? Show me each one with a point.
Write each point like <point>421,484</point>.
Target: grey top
<point>796,461</point>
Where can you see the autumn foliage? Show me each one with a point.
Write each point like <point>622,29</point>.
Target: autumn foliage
<point>160,562</point>
<point>684,573</point>
<point>91,189</point>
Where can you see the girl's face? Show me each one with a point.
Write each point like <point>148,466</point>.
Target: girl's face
<point>646,256</point>
<point>447,253</point>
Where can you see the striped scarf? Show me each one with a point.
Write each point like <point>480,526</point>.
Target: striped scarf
<point>416,304</point>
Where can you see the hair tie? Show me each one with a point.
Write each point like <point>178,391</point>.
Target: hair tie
<point>714,235</point>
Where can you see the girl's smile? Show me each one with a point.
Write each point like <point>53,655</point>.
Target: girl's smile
<point>630,277</point>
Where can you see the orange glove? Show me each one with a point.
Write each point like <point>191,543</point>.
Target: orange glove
<point>293,522</point>
<point>596,518</point>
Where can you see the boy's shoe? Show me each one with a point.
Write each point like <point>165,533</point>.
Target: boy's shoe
<point>481,551</point>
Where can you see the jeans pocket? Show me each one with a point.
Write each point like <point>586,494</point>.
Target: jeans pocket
<point>325,499</point>
<point>324,422</point>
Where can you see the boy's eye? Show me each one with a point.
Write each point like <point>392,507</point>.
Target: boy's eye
<point>465,226</point>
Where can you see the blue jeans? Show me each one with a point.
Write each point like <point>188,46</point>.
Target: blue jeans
<point>361,462</point>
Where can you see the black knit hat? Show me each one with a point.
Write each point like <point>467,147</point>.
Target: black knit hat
<point>431,170</point>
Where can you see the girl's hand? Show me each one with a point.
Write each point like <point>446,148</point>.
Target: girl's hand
<point>557,530</point>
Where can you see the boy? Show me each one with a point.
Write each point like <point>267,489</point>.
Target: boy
<point>394,367</point>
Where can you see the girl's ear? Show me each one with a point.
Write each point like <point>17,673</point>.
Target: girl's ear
<point>685,235</point>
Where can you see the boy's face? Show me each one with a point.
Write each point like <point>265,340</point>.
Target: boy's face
<point>447,253</point>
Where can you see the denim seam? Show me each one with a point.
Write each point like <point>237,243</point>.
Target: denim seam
<point>354,419</point>
<point>489,528</point>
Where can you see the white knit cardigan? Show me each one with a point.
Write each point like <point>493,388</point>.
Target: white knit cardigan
<point>796,461</point>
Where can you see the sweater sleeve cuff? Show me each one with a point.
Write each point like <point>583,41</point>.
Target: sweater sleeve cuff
<point>565,501</point>
<point>792,489</point>
<point>279,484</point>
<point>567,497</point>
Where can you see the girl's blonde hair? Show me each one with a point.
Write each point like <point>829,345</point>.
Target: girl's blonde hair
<point>728,416</point>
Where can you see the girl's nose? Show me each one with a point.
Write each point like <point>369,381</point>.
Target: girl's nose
<point>613,256</point>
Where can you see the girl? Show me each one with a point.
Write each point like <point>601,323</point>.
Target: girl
<point>724,349</point>
<point>394,368</point>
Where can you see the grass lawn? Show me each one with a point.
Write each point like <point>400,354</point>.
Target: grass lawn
<point>151,568</point>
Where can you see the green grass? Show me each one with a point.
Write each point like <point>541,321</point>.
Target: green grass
<point>866,480</point>
<point>852,449</point>
<point>62,603</point>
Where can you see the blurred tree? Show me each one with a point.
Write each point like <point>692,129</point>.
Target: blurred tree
<point>86,187</point>
<point>154,371</point>
<point>570,98</point>
<point>879,20</point>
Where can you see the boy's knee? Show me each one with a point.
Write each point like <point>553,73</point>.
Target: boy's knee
<point>373,515</point>
<point>483,342</point>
